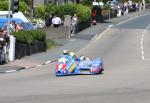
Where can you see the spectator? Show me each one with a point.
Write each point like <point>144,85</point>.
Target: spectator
<point>12,26</point>
<point>48,22</point>
<point>1,33</point>
<point>74,23</point>
<point>94,14</point>
<point>3,42</point>
<point>19,27</point>
<point>56,21</point>
<point>130,2</point>
<point>94,17</point>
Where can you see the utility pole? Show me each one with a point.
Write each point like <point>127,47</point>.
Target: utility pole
<point>9,13</point>
<point>32,9</point>
<point>45,1</point>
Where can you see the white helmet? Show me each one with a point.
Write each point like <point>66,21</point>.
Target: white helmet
<point>82,57</point>
<point>66,51</point>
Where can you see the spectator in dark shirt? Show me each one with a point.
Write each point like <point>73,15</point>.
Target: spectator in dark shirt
<point>48,22</point>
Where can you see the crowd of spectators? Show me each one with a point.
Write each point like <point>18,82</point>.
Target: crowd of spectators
<point>15,27</point>
<point>53,20</point>
<point>129,6</point>
<point>56,21</point>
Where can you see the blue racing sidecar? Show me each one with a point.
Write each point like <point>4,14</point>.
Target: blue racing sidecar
<point>67,65</point>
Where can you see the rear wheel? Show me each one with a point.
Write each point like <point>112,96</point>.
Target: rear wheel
<point>101,69</point>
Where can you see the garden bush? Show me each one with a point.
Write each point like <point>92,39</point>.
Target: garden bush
<point>29,42</point>
<point>66,9</point>
<point>83,12</point>
<point>29,36</point>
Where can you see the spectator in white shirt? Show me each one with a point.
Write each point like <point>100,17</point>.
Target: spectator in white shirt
<point>56,21</point>
<point>74,23</point>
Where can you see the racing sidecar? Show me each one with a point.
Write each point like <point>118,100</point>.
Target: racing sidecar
<point>67,65</point>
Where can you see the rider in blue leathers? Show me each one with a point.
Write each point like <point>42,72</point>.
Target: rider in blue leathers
<point>70,53</point>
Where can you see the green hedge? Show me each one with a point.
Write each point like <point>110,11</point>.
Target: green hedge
<point>83,12</point>
<point>30,36</point>
<point>66,9</point>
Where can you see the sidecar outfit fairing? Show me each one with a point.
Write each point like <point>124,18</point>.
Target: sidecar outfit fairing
<point>67,65</point>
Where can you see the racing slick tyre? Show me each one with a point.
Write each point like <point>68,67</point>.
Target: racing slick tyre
<point>102,69</point>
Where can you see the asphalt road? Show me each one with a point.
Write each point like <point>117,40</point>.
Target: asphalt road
<point>126,79</point>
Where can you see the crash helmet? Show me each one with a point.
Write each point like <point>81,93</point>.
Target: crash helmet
<point>82,57</point>
<point>66,51</point>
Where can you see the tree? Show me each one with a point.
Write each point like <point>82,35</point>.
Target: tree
<point>22,5</point>
<point>3,5</point>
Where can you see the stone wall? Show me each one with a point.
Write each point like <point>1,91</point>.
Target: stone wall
<point>57,33</point>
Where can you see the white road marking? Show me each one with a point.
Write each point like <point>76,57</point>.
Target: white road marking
<point>125,21</point>
<point>47,62</point>
<point>104,32</point>
<point>142,43</point>
<point>132,18</point>
<point>111,25</point>
<point>38,65</point>
<point>97,37</point>
<point>94,37</point>
<point>9,71</point>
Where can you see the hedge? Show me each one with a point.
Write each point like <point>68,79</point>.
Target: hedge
<point>83,12</point>
<point>29,42</point>
<point>30,36</point>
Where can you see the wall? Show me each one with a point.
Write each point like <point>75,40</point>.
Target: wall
<point>57,33</point>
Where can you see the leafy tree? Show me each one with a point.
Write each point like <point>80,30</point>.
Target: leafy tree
<point>22,5</point>
<point>3,5</point>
